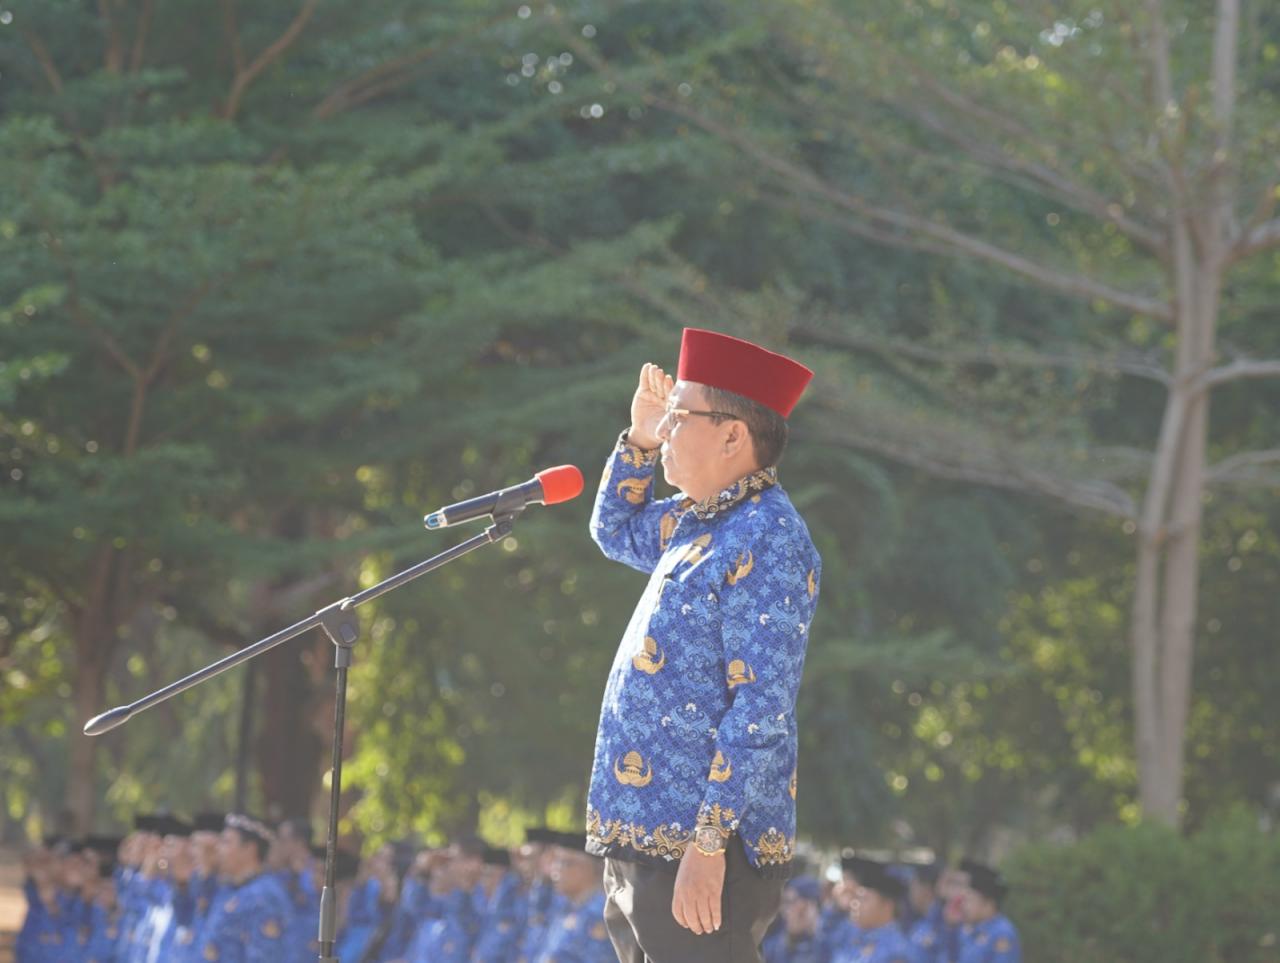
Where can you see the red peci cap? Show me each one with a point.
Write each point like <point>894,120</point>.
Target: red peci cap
<point>722,361</point>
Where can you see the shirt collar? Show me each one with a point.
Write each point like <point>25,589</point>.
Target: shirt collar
<point>752,484</point>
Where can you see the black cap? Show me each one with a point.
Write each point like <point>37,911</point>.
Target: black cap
<point>106,846</point>
<point>986,880</point>
<point>345,865</point>
<point>209,822</point>
<point>496,857</point>
<point>855,865</point>
<point>539,834</point>
<point>875,875</point>
<point>574,841</point>
<point>162,824</point>
<point>925,872</point>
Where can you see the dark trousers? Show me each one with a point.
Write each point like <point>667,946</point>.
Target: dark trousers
<point>637,911</point>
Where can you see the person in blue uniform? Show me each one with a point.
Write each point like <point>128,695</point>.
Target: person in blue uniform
<point>579,935</point>
<point>369,902</point>
<point>837,926</point>
<point>48,933</point>
<point>993,938</point>
<point>138,884</point>
<point>414,903</point>
<point>543,904</point>
<point>501,909</point>
<point>449,936</point>
<point>246,924</point>
<point>799,940</point>
<point>291,862</point>
<point>206,884</point>
<point>693,784</point>
<point>167,870</point>
<point>100,927</point>
<point>104,919</point>
<point>876,903</point>
<point>924,924</point>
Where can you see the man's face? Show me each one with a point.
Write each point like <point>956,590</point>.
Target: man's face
<point>843,893</point>
<point>574,873</point>
<point>204,849</point>
<point>691,443</point>
<point>871,908</point>
<point>975,907</point>
<point>466,870</point>
<point>922,895</point>
<point>287,849</point>
<point>525,861</point>
<point>236,855</point>
<point>799,915</point>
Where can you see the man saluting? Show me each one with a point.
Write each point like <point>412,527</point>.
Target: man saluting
<point>692,797</point>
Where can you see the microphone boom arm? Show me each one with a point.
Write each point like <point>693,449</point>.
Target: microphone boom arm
<point>343,629</point>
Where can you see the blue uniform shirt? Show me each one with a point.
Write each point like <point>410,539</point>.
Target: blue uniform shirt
<point>501,923</point>
<point>992,941</point>
<point>884,944</point>
<point>246,924</point>
<point>781,948</point>
<point>927,935</point>
<point>448,937</point>
<point>579,935</point>
<point>698,718</point>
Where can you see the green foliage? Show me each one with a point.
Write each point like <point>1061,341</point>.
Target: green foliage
<point>1147,894</point>
<point>419,264</point>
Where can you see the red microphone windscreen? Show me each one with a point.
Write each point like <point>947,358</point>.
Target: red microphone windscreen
<point>559,484</point>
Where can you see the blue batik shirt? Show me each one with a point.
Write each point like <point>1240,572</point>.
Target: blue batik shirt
<point>884,944</point>
<point>698,723</point>
<point>580,936</point>
<point>992,941</point>
<point>246,925</point>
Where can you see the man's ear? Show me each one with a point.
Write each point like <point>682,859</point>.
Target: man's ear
<point>737,438</point>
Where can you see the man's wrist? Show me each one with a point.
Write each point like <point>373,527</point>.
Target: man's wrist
<point>710,840</point>
<point>637,440</point>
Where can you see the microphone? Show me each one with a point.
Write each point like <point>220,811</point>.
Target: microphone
<point>549,486</point>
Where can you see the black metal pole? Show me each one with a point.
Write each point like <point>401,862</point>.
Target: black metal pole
<point>340,624</point>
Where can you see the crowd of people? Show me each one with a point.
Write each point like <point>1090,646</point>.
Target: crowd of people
<point>231,888</point>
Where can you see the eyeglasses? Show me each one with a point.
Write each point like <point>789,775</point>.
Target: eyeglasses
<point>674,416</point>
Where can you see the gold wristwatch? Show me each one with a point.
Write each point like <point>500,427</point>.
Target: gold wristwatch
<point>709,841</point>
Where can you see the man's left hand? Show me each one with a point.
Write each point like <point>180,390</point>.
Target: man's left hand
<point>699,885</point>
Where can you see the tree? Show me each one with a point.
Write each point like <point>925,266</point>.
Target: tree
<point>1164,191</point>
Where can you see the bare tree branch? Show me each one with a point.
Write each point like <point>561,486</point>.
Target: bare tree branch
<point>956,242</point>
<point>1236,371</point>
<point>1243,469</point>
<point>243,78</point>
<point>394,73</point>
<point>1263,237</point>
<point>1049,180</point>
<point>995,355</point>
<point>44,59</point>
<point>985,468</point>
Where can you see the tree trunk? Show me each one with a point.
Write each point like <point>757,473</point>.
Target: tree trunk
<point>95,628</point>
<point>289,753</point>
<point>88,694</point>
<point>1165,597</point>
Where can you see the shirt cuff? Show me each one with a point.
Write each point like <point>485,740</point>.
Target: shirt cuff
<point>638,456</point>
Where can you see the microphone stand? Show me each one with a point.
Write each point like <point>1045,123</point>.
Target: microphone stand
<point>342,628</point>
